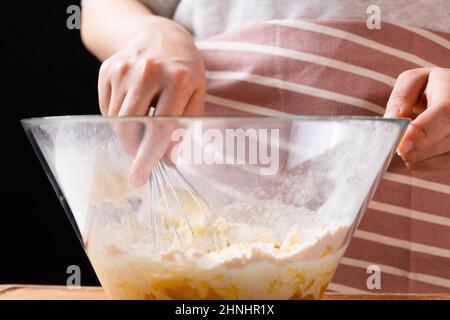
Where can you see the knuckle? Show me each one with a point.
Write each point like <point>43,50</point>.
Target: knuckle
<point>148,68</point>
<point>411,73</point>
<point>397,100</point>
<point>104,68</point>
<point>134,53</point>
<point>148,62</point>
<point>120,68</point>
<point>436,71</point>
<point>154,63</point>
<point>182,77</point>
<point>404,75</point>
<point>444,109</point>
<point>419,131</point>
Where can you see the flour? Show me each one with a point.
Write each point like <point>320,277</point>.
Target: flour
<point>262,250</point>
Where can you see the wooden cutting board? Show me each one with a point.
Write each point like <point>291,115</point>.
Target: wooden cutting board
<point>32,292</point>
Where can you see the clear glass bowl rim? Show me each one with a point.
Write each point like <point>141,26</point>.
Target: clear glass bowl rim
<point>287,118</point>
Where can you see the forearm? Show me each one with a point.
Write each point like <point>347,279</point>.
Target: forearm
<point>108,25</point>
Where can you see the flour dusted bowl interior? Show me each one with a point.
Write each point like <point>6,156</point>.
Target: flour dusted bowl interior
<point>237,208</point>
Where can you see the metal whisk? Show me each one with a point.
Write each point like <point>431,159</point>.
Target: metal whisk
<point>162,189</point>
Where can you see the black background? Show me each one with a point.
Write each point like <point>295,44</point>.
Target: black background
<point>45,71</point>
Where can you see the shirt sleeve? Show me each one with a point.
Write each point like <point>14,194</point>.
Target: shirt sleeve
<point>165,8</point>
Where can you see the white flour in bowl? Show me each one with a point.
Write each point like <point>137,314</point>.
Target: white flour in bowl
<point>261,250</point>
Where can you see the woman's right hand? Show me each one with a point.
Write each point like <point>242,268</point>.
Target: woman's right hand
<point>160,66</point>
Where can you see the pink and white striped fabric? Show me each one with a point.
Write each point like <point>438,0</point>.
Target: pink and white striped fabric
<point>343,68</point>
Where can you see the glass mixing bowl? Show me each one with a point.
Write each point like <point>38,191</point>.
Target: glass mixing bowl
<point>214,208</point>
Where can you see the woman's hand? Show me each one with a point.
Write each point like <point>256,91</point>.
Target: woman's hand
<point>426,92</point>
<point>161,67</point>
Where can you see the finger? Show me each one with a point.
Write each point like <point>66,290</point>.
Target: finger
<point>438,85</point>
<point>137,100</point>
<point>136,103</point>
<point>432,125</point>
<point>406,93</point>
<point>421,105</point>
<point>117,97</point>
<point>195,107</point>
<point>104,91</point>
<point>441,162</point>
<point>143,85</point>
<point>175,97</point>
<point>153,146</point>
<point>441,147</point>
<point>104,97</point>
<point>118,87</point>
<point>196,104</point>
<point>157,134</point>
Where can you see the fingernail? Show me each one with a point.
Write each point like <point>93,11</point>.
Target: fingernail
<point>393,113</point>
<point>138,180</point>
<point>405,147</point>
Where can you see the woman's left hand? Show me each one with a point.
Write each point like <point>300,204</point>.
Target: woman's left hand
<point>426,92</point>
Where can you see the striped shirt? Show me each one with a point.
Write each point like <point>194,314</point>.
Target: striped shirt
<point>205,18</point>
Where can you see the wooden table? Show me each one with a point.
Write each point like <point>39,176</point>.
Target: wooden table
<point>27,292</point>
